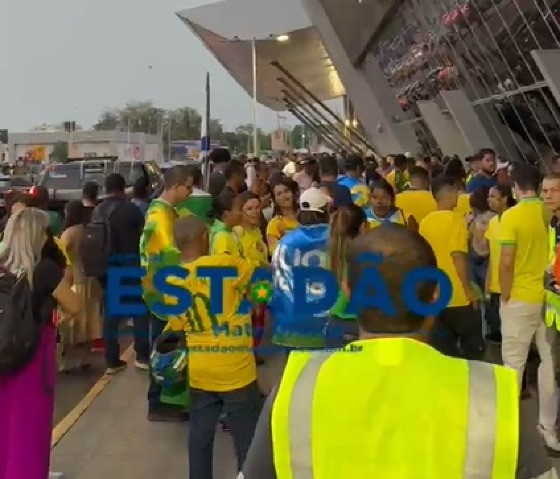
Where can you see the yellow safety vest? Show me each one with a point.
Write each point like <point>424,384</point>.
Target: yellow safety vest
<point>552,310</point>
<point>394,408</point>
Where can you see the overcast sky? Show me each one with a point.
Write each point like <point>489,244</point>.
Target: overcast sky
<point>70,59</point>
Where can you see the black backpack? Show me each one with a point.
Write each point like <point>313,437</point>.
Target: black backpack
<point>19,330</point>
<point>96,245</point>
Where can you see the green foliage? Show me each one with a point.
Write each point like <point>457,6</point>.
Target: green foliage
<point>59,153</point>
<point>185,124</point>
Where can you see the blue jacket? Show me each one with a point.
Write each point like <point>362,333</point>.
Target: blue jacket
<point>305,246</point>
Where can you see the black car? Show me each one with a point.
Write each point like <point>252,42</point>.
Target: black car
<point>65,181</point>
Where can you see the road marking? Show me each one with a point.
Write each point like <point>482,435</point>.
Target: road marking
<point>68,421</point>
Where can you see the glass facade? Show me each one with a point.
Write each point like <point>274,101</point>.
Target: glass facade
<point>483,47</point>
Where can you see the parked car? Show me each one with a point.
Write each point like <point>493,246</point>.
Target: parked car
<point>10,185</point>
<point>65,181</point>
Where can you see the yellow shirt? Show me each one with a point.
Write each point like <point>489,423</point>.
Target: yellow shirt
<point>278,227</point>
<point>446,231</point>
<point>252,245</point>
<point>62,248</point>
<point>463,204</point>
<point>220,346</point>
<point>225,242</point>
<point>416,203</point>
<point>392,179</point>
<point>493,237</point>
<point>524,226</point>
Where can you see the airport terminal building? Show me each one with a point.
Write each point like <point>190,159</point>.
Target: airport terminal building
<point>422,76</point>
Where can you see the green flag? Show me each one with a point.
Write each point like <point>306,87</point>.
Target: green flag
<point>198,204</point>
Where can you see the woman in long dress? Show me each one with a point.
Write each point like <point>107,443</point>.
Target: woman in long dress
<point>27,395</point>
<point>80,330</point>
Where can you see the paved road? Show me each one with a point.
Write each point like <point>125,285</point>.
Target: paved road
<point>113,439</point>
<point>73,386</point>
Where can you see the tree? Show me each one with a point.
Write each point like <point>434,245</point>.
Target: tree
<point>297,136</point>
<point>186,123</point>
<point>245,133</point>
<point>59,153</point>
<point>109,121</point>
<point>181,123</point>
<point>217,131</point>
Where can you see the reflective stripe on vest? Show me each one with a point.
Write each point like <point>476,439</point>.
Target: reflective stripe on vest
<point>552,310</point>
<point>487,426</point>
<point>551,244</point>
<point>300,416</point>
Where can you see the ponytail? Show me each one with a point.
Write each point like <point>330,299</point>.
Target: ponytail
<point>345,225</point>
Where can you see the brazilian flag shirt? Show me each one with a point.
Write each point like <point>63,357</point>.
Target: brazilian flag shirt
<point>157,248</point>
<point>358,190</point>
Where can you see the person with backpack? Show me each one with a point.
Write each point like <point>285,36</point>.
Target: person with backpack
<point>81,330</point>
<point>32,285</point>
<point>112,238</point>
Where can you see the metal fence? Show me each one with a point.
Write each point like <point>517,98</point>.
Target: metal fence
<point>483,47</point>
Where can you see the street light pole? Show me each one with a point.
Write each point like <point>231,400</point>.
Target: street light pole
<point>255,129</point>
<point>128,141</point>
<point>169,140</point>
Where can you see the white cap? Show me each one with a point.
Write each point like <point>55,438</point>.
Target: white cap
<point>501,165</point>
<point>313,199</point>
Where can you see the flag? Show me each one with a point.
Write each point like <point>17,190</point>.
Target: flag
<point>205,137</point>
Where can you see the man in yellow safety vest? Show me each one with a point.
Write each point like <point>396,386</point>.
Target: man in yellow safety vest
<point>551,196</point>
<point>389,405</point>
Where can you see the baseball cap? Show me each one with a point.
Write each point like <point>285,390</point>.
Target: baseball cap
<point>313,199</point>
<point>501,165</point>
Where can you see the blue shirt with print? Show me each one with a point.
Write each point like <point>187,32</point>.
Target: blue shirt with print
<point>305,246</point>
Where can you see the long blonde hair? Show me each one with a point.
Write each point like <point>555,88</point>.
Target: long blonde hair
<point>24,238</point>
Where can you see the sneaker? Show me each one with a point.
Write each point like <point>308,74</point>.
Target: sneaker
<point>164,414</point>
<point>117,369</point>
<point>97,346</point>
<point>56,475</point>
<point>142,365</point>
<point>551,443</point>
<point>525,394</point>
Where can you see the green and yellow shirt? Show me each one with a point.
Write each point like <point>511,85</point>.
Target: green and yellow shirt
<point>157,247</point>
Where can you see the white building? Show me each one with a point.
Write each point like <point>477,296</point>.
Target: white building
<point>40,145</point>
<point>50,128</point>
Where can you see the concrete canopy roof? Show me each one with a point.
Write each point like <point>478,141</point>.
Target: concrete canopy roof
<point>228,27</point>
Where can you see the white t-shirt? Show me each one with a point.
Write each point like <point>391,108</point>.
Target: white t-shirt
<point>251,176</point>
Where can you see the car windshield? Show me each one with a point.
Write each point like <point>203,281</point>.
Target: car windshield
<point>93,171</point>
<point>131,171</point>
<point>62,177</point>
<point>67,176</point>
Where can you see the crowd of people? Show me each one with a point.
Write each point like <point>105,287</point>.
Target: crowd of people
<point>423,398</point>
